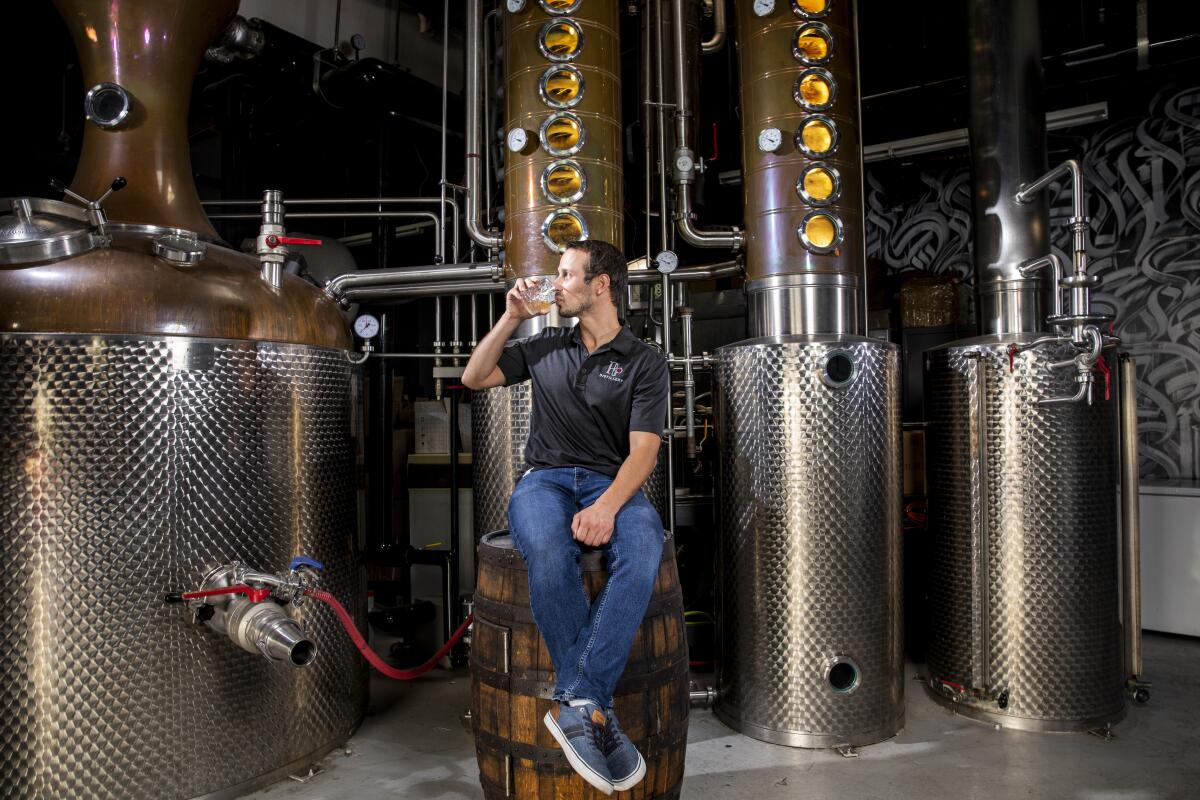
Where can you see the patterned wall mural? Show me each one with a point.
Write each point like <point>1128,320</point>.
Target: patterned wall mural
<point>1143,181</point>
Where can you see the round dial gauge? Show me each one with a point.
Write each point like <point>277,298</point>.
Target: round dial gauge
<point>769,139</point>
<point>515,6</point>
<point>666,261</point>
<point>518,138</point>
<point>762,7</point>
<point>684,162</point>
<point>366,326</point>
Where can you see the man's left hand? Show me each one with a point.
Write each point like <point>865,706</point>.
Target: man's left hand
<point>594,525</point>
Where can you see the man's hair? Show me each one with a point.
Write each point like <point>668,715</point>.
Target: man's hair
<point>604,259</point>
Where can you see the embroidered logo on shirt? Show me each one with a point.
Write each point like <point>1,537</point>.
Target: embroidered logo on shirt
<point>613,372</point>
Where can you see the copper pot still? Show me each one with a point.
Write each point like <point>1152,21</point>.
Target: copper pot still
<point>166,410</point>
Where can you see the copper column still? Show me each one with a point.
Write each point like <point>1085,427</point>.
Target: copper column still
<point>167,411</point>
<point>808,412</point>
<point>563,176</point>
<point>563,181</point>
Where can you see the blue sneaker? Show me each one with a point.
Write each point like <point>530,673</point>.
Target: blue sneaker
<point>625,763</point>
<point>580,732</point>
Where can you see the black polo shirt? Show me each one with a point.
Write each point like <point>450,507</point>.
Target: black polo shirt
<point>585,405</point>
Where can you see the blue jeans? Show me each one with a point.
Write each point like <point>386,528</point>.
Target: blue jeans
<point>589,642</point>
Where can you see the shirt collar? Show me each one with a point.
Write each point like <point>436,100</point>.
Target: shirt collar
<point>621,343</point>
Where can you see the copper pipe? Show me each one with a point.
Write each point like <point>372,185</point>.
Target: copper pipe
<point>148,52</point>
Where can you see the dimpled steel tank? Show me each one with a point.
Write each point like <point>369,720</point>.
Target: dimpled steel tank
<point>166,411</point>
<point>810,626</point>
<point>1025,627</point>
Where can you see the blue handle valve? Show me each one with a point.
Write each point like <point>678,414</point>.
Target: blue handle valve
<point>305,561</point>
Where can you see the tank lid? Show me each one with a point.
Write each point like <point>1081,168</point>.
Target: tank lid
<point>37,229</point>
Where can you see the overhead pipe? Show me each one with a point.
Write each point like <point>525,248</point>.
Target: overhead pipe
<point>685,158</point>
<point>474,171</point>
<point>716,43</point>
<point>336,286</point>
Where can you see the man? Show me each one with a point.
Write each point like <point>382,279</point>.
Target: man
<point>599,405</point>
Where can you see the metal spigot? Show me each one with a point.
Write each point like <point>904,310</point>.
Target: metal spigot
<point>247,606</point>
<point>271,245</point>
<point>95,212</point>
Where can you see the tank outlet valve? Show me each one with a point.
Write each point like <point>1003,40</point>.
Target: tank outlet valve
<point>272,242</point>
<point>248,607</point>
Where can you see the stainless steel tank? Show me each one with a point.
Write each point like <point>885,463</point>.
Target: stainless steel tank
<point>1024,604</point>
<point>809,615</point>
<point>808,412</point>
<point>1023,541</point>
<point>167,411</point>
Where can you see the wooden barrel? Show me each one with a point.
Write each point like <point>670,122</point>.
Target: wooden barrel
<point>512,683</point>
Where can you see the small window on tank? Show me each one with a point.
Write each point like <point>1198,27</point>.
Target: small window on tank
<point>817,136</point>
<point>563,227</point>
<point>815,89</point>
<point>561,6</point>
<point>813,44</point>
<point>561,86</point>
<point>820,232</point>
<point>811,8</point>
<point>562,134</point>
<point>560,40</point>
<point>563,182</point>
<point>819,184</point>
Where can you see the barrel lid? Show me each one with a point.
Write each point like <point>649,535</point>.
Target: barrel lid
<point>37,229</point>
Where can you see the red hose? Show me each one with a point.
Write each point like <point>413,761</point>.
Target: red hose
<point>373,657</point>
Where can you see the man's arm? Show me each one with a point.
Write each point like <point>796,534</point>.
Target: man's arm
<point>481,371</point>
<point>594,525</point>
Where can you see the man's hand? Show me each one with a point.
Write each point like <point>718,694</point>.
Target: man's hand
<point>515,304</point>
<point>594,525</point>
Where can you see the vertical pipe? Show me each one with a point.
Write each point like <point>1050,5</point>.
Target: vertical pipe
<point>473,134</point>
<point>981,542</point>
<point>450,613</point>
<point>445,108</point>
<point>437,344</point>
<point>1131,531</point>
<point>689,382</point>
<point>1008,149</point>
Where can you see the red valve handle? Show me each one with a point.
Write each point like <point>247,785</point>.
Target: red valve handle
<point>252,594</point>
<point>1012,352</point>
<point>275,241</point>
<point>1102,365</point>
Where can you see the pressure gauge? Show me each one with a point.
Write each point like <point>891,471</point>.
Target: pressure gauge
<point>684,163</point>
<point>666,261</point>
<point>518,139</point>
<point>769,139</point>
<point>366,326</point>
<point>515,6</point>
<point>761,7</point>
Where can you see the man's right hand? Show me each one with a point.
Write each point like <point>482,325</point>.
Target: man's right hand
<point>515,304</point>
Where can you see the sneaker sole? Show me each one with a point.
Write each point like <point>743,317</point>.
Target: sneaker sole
<point>579,765</point>
<point>625,784</point>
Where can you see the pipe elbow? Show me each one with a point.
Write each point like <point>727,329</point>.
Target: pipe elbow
<point>482,237</point>
<point>732,238</point>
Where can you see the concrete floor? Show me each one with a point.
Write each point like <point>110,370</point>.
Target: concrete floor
<point>413,745</point>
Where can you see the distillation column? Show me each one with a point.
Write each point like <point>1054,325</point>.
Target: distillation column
<point>808,410</point>
<point>563,181</point>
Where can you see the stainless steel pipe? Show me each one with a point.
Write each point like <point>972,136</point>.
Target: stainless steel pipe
<point>729,238</point>
<point>409,275</point>
<point>1131,530</point>
<point>1008,149</point>
<point>716,42</point>
<point>474,171</point>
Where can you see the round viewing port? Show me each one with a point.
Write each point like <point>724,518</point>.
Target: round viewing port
<point>842,675</point>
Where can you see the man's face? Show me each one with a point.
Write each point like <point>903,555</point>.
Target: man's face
<point>573,294</point>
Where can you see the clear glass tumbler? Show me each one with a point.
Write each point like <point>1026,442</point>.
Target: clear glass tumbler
<point>539,293</point>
